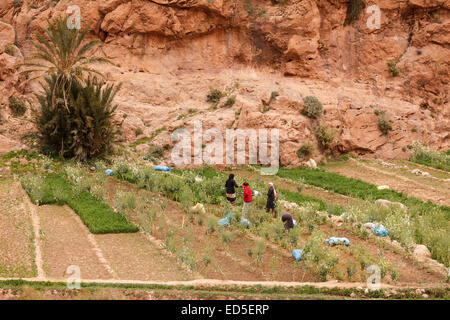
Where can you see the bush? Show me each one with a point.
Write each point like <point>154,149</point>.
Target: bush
<point>325,135</point>
<point>154,153</point>
<point>138,132</point>
<point>226,235</point>
<point>353,11</point>
<point>313,107</point>
<point>17,3</point>
<point>214,95</point>
<point>83,128</point>
<point>306,150</point>
<point>384,125</point>
<point>230,101</point>
<point>9,49</point>
<point>259,249</point>
<point>393,70</point>
<point>211,224</point>
<point>17,106</point>
<point>318,257</point>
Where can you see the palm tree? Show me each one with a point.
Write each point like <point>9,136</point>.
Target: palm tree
<point>60,51</point>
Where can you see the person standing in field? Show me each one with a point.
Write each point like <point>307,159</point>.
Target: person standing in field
<point>247,198</point>
<point>230,184</point>
<point>271,198</point>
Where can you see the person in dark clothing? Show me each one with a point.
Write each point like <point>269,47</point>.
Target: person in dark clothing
<point>271,197</point>
<point>230,185</point>
<point>288,221</point>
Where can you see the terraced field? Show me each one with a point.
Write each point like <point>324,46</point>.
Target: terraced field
<point>174,246</point>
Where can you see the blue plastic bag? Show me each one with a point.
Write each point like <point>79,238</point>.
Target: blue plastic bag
<point>246,222</point>
<point>297,254</point>
<point>295,222</point>
<point>225,222</point>
<point>109,172</point>
<point>380,231</point>
<point>162,168</point>
<point>334,241</point>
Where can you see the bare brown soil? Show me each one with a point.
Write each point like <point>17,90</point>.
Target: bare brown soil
<point>16,233</point>
<point>64,242</point>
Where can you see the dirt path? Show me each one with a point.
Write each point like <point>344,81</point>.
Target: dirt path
<point>37,243</point>
<point>215,282</point>
<point>358,170</point>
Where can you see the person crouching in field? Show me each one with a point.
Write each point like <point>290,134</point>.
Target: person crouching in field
<point>271,197</point>
<point>288,221</point>
<point>247,198</point>
<point>231,192</point>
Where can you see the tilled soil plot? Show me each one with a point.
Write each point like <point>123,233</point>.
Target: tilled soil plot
<point>16,233</point>
<point>132,256</point>
<point>65,242</point>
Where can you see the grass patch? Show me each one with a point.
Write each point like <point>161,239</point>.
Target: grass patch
<point>147,139</point>
<point>422,155</point>
<point>99,217</point>
<point>356,188</point>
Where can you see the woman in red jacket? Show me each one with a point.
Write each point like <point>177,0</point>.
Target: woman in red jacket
<point>247,198</point>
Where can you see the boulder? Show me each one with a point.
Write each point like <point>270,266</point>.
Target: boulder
<point>198,208</point>
<point>7,33</point>
<point>337,220</point>
<point>421,251</point>
<point>387,204</point>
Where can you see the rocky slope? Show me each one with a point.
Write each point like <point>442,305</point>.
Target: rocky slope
<point>169,52</point>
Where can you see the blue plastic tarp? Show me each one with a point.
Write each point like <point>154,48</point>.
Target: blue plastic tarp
<point>109,172</point>
<point>225,222</point>
<point>334,241</point>
<point>380,231</point>
<point>297,254</point>
<point>162,168</point>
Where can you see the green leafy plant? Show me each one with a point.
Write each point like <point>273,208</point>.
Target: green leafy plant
<point>214,95</point>
<point>211,224</point>
<point>259,249</point>
<point>17,106</point>
<point>83,128</point>
<point>421,154</point>
<point>60,51</point>
<point>230,101</point>
<point>96,215</point>
<point>9,49</point>
<point>393,70</point>
<point>318,257</point>
<point>138,132</point>
<point>353,11</point>
<point>325,135</point>
<point>226,235</point>
<point>313,107</point>
<point>384,125</point>
<point>306,150</point>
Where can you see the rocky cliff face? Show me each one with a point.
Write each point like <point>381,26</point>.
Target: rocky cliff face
<point>169,52</point>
